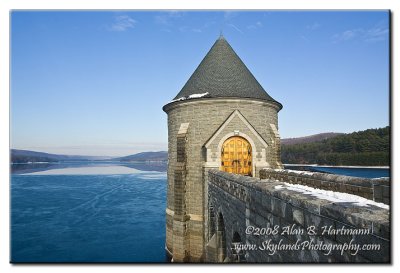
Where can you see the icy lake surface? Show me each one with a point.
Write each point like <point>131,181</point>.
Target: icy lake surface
<point>88,214</point>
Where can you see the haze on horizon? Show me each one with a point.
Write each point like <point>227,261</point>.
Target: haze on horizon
<point>93,83</point>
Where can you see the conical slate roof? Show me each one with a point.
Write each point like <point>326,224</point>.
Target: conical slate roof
<point>223,74</point>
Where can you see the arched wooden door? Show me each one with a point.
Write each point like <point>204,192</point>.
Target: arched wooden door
<point>236,156</point>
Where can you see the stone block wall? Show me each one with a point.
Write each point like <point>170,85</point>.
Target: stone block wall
<point>377,189</point>
<point>248,212</point>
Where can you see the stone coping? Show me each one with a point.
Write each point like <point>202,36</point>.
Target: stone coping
<point>341,179</point>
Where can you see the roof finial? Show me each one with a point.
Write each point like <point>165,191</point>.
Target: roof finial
<point>220,34</point>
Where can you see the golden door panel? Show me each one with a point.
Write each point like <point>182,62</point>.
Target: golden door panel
<point>236,156</point>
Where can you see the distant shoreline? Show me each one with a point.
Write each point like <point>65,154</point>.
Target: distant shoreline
<point>87,161</point>
<point>333,166</point>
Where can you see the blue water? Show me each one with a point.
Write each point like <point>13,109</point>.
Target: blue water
<point>88,218</point>
<point>357,172</point>
<point>353,171</point>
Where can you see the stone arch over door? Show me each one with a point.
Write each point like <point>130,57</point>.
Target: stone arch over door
<point>254,150</point>
<point>237,156</point>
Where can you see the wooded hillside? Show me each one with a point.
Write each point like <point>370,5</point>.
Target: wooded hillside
<point>365,148</point>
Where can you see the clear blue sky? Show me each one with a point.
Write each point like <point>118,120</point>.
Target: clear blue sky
<point>94,83</point>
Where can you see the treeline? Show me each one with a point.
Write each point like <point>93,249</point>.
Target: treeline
<point>365,148</point>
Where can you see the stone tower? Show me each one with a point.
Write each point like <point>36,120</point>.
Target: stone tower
<point>222,119</point>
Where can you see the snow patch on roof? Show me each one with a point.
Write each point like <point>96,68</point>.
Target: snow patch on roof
<point>193,96</point>
<point>337,197</point>
<point>182,98</point>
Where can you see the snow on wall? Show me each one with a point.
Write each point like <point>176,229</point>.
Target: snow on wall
<point>338,197</point>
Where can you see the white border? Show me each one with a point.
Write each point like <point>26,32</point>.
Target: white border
<point>6,5</point>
